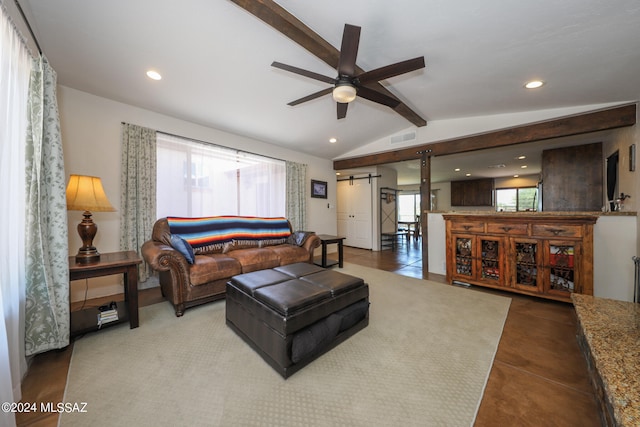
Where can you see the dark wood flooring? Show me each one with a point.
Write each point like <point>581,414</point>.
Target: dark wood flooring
<point>538,378</point>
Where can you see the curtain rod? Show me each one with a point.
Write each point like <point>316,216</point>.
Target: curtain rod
<point>210,143</point>
<point>26,21</point>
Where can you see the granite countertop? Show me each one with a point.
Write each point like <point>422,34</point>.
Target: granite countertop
<point>538,213</point>
<point>612,331</point>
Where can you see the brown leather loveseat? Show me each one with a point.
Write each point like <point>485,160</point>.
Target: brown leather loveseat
<point>196,257</point>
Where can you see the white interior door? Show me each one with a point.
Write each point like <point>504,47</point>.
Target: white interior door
<point>354,213</point>
<point>342,210</point>
<point>362,214</point>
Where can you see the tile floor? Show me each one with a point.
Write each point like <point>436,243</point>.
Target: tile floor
<point>539,377</point>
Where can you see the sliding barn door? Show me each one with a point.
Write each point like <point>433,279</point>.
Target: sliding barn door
<point>354,208</point>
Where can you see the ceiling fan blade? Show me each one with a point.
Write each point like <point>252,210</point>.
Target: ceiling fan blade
<point>312,96</point>
<point>375,96</point>
<point>349,50</point>
<point>302,72</point>
<point>288,25</point>
<point>392,70</point>
<point>342,110</point>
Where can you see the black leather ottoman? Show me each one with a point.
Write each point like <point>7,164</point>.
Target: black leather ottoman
<point>292,314</point>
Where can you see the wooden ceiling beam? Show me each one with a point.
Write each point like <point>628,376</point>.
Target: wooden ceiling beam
<point>281,20</point>
<point>556,128</point>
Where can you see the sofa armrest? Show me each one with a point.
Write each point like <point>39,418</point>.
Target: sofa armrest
<point>163,257</point>
<point>311,243</point>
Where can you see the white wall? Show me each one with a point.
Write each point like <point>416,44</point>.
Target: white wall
<point>437,242</point>
<point>614,245</point>
<point>90,128</point>
<point>627,180</point>
<point>521,181</point>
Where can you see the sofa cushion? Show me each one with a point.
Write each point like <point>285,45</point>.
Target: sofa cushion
<point>289,254</point>
<point>253,259</point>
<point>208,268</point>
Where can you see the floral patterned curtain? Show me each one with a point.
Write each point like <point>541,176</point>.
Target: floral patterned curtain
<point>296,187</point>
<point>137,190</point>
<point>47,251</point>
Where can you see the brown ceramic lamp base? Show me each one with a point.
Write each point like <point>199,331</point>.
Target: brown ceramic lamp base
<point>87,230</point>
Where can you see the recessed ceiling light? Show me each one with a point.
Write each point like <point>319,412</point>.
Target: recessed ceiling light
<point>515,176</point>
<point>522,157</point>
<point>468,174</point>
<point>457,169</point>
<point>154,75</point>
<point>337,173</point>
<point>523,167</point>
<point>333,140</point>
<point>534,84</point>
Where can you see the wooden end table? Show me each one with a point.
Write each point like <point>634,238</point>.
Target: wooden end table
<point>126,263</point>
<point>325,240</point>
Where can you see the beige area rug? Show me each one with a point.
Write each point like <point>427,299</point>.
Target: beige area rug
<point>423,361</point>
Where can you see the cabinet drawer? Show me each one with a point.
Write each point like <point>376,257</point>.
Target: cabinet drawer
<point>560,230</point>
<point>468,226</point>
<point>510,229</point>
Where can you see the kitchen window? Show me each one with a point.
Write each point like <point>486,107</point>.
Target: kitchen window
<point>523,199</point>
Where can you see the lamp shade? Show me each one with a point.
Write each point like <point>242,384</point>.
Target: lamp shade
<point>85,193</point>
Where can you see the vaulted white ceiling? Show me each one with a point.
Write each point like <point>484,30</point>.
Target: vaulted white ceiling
<point>215,61</point>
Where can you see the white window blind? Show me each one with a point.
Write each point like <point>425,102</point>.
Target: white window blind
<point>199,179</point>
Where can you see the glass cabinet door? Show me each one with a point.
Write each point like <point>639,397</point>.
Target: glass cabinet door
<point>527,265</point>
<point>561,263</point>
<point>490,263</point>
<point>464,256</point>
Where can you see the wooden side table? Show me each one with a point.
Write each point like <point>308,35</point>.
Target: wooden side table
<point>325,240</point>
<point>125,263</point>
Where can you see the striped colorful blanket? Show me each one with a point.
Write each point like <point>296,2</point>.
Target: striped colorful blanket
<point>211,233</point>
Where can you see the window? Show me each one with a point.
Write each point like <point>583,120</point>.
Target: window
<point>408,207</point>
<point>198,179</point>
<point>516,199</point>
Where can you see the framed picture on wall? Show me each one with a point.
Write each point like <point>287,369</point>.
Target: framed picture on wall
<point>319,189</point>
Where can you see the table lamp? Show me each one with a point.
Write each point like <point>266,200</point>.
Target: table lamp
<point>85,193</point>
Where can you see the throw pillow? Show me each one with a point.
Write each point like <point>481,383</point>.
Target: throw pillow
<point>183,247</point>
<point>299,237</point>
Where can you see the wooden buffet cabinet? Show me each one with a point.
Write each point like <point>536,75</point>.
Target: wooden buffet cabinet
<point>540,254</point>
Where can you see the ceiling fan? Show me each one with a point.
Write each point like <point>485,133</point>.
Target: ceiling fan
<point>351,82</point>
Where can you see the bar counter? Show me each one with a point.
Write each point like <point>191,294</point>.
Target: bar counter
<point>609,334</point>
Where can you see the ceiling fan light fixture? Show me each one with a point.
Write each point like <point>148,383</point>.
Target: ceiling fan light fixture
<point>344,93</point>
